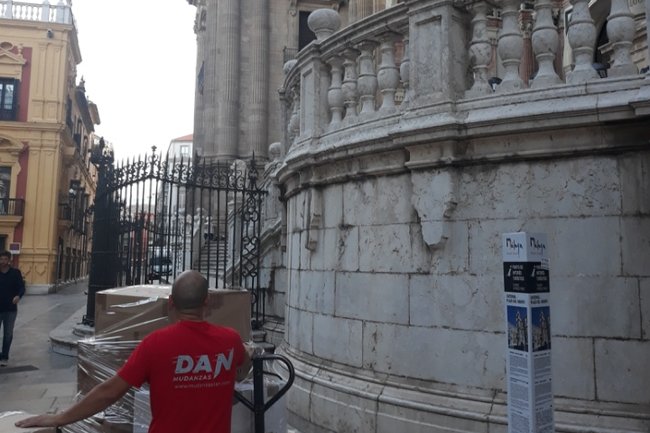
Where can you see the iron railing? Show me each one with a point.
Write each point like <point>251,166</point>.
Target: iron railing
<point>12,207</point>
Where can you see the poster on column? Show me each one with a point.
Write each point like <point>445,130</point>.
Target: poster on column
<point>528,332</point>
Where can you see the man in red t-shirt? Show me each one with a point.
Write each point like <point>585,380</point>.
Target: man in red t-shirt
<point>191,367</point>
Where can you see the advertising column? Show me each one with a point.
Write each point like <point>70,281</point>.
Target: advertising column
<point>528,329</point>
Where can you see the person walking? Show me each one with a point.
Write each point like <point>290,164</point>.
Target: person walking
<point>12,289</point>
<point>190,365</point>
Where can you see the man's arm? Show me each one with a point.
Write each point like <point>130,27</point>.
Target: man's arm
<point>21,286</point>
<point>20,282</point>
<point>98,399</point>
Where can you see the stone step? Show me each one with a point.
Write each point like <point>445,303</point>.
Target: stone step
<point>258,336</point>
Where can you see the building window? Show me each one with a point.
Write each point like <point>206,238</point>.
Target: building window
<point>185,150</point>
<point>8,99</point>
<point>305,35</point>
<point>5,188</point>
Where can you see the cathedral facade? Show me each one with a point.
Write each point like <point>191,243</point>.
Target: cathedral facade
<point>403,140</point>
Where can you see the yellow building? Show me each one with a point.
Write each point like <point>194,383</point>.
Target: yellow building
<point>46,130</point>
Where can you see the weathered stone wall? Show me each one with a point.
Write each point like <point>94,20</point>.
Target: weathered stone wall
<point>403,284</point>
<point>394,216</point>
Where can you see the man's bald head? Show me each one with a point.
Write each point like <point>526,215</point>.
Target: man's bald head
<point>189,291</point>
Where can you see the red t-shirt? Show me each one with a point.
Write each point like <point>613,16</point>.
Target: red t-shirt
<point>191,370</point>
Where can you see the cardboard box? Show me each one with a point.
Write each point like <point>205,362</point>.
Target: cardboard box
<point>130,313</point>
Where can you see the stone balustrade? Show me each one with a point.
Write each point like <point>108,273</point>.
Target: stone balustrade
<point>350,77</point>
<point>44,12</point>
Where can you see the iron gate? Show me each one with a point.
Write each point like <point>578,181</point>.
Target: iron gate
<point>156,217</point>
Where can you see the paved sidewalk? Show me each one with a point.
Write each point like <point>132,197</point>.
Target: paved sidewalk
<point>38,379</point>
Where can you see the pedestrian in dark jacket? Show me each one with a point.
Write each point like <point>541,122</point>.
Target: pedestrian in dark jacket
<point>12,289</point>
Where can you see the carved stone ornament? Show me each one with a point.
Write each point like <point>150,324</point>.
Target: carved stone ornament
<point>324,22</point>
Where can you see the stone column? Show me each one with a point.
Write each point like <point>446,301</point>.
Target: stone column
<point>228,70</point>
<point>203,62</point>
<point>260,52</point>
<point>205,140</point>
<point>363,8</point>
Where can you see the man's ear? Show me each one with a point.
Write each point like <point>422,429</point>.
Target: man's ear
<point>171,310</point>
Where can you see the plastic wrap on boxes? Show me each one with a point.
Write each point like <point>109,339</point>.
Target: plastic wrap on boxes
<point>122,318</point>
<point>130,313</point>
<point>99,359</point>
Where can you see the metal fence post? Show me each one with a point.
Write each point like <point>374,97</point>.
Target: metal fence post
<point>104,250</point>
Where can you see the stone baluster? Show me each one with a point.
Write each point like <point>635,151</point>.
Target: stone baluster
<point>405,71</point>
<point>582,38</point>
<point>60,12</point>
<point>545,44</point>
<point>45,11</point>
<point>9,10</point>
<point>387,73</point>
<point>511,47</point>
<point>367,82</point>
<point>335,91</point>
<point>294,120</point>
<point>641,102</point>
<point>480,50</point>
<point>349,87</point>
<point>287,104</point>
<point>620,31</point>
<point>527,64</point>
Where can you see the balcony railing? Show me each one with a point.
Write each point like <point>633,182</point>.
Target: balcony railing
<point>75,217</point>
<point>437,57</point>
<point>12,206</point>
<point>44,12</point>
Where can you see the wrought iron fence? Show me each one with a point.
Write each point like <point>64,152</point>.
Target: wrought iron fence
<point>160,216</point>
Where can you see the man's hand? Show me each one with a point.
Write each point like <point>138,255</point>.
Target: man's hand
<point>98,399</point>
<point>245,368</point>
<point>38,421</point>
<point>16,300</point>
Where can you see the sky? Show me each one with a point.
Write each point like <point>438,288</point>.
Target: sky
<point>139,61</point>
